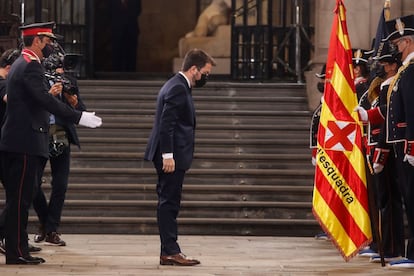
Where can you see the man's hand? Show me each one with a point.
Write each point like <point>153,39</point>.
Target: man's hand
<point>409,159</point>
<point>56,89</point>
<point>168,165</point>
<point>363,115</point>
<point>72,99</point>
<point>377,168</point>
<point>89,119</point>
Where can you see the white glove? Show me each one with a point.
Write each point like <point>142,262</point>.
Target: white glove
<point>88,119</point>
<point>410,159</point>
<point>362,113</point>
<point>313,161</point>
<point>377,168</point>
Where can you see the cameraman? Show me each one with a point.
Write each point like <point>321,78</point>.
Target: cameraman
<point>62,133</point>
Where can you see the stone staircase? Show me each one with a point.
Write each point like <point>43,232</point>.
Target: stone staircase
<point>251,174</point>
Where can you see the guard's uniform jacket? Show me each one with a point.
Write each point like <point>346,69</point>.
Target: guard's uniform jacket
<point>400,112</point>
<point>26,125</point>
<point>378,110</point>
<point>24,146</point>
<point>379,149</point>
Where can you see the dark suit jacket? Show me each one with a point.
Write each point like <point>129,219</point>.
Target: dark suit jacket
<point>174,124</point>
<point>26,125</point>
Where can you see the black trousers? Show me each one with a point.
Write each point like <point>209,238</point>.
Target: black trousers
<point>50,214</point>
<point>407,191</point>
<point>169,189</point>
<point>22,174</point>
<point>390,205</point>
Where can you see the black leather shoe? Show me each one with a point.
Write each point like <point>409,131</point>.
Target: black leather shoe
<point>34,249</point>
<point>28,260</point>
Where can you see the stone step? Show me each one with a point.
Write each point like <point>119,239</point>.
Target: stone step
<point>201,160</point>
<point>125,130</point>
<point>297,176</point>
<point>205,145</point>
<point>207,192</point>
<point>230,89</point>
<point>190,209</point>
<point>212,119</point>
<point>212,112</point>
<point>187,226</point>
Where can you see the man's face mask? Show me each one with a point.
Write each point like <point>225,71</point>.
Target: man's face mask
<point>380,71</point>
<point>202,81</point>
<point>47,50</point>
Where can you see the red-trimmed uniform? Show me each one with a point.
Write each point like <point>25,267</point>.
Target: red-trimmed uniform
<point>388,192</point>
<point>24,144</point>
<point>400,133</point>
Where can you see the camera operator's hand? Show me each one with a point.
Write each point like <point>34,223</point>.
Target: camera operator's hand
<point>89,119</point>
<point>56,89</point>
<point>72,99</point>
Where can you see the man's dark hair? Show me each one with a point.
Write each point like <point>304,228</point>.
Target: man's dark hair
<point>198,58</point>
<point>8,57</point>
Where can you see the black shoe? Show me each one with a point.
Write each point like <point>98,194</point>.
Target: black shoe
<point>2,247</point>
<point>34,249</point>
<point>40,236</point>
<point>53,238</point>
<point>28,260</point>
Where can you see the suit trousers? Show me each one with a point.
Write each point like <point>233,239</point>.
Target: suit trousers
<point>50,214</point>
<point>169,189</point>
<point>22,174</point>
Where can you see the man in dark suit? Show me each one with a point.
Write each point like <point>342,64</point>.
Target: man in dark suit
<point>171,147</point>
<point>24,144</point>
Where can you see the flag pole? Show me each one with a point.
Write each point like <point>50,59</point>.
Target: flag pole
<point>372,192</point>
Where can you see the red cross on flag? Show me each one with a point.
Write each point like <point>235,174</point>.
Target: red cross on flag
<point>340,136</point>
<point>340,199</point>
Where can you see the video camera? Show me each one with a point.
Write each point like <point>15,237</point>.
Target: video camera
<point>58,59</point>
<point>68,87</point>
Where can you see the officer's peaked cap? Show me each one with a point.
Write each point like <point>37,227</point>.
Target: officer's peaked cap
<point>36,29</point>
<point>360,56</point>
<point>399,27</point>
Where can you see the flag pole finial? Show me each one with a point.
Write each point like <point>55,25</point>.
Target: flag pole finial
<point>387,12</point>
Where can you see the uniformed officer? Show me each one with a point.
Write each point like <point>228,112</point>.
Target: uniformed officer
<point>382,156</point>
<point>361,72</point>
<point>400,122</point>
<point>24,144</point>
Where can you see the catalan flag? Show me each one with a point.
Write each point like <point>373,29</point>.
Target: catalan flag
<point>340,200</point>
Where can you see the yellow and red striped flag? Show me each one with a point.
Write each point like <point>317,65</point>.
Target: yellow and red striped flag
<point>340,200</point>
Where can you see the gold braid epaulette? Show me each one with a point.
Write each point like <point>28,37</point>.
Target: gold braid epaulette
<point>374,89</point>
<point>396,79</point>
